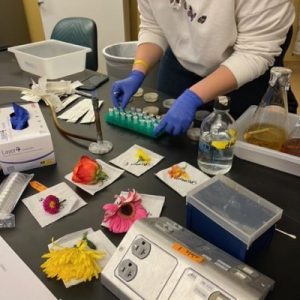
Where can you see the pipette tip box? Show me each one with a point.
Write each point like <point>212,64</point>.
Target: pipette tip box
<point>231,217</point>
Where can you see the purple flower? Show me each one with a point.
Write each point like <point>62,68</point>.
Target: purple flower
<point>51,204</point>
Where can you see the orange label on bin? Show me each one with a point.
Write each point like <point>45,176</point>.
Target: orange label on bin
<point>187,253</point>
<point>37,186</point>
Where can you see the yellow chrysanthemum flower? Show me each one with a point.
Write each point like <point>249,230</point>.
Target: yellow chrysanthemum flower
<point>140,155</point>
<point>79,262</point>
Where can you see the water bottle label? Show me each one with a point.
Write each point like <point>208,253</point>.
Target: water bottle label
<point>209,153</point>
<point>204,147</point>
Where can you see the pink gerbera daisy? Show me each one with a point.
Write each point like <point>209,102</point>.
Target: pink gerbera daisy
<point>123,212</point>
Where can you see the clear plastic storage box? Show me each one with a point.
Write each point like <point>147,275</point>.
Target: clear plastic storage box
<point>231,216</point>
<point>51,58</point>
<point>264,156</point>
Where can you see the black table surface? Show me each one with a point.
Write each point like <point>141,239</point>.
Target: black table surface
<point>280,261</point>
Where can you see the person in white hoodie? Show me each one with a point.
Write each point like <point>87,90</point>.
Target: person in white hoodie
<point>208,48</point>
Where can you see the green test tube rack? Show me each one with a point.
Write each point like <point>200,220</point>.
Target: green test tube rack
<point>133,119</point>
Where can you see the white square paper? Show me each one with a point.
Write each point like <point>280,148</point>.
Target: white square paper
<point>67,101</point>
<point>99,239</point>
<point>83,109</point>
<point>153,205</point>
<point>17,280</point>
<point>77,111</point>
<point>182,187</point>
<point>128,161</point>
<point>63,192</point>
<point>90,115</point>
<point>113,174</point>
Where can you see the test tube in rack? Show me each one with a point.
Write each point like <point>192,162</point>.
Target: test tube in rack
<point>133,119</point>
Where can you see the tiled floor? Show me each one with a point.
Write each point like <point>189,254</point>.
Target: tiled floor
<point>295,79</point>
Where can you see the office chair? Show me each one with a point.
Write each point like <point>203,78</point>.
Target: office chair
<point>80,31</point>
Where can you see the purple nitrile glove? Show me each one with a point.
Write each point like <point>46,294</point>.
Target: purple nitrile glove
<point>181,114</point>
<point>123,90</point>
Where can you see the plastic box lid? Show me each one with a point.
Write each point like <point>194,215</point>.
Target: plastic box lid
<point>241,212</point>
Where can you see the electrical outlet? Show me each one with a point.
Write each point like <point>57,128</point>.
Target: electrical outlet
<point>141,248</point>
<point>127,270</point>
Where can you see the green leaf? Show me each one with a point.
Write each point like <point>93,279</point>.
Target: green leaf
<point>102,175</point>
<point>89,243</point>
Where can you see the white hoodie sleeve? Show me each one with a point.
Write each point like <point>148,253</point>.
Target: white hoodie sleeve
<point>150,31</point>
<point>260,35</point>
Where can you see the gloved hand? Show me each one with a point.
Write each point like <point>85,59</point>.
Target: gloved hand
<point>123,90</point>
<point>181,114</point>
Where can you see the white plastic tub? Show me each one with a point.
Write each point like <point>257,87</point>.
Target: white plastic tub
<point>264,156</point>
<point>51,58</point>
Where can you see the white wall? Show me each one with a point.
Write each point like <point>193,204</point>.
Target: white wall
<point>108,15</point>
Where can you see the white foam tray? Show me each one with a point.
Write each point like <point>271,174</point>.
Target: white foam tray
<point>264,156</point>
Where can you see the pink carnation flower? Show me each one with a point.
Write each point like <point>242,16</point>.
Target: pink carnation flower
<point>123,212</point>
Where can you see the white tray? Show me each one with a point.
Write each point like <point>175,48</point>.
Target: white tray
<point>51,58</point>
<point>264,156</point>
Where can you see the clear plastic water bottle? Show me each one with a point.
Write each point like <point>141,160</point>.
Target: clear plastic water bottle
<point>217,139</point>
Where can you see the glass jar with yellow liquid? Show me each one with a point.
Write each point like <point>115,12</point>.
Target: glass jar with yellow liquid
<point>270,121</point>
